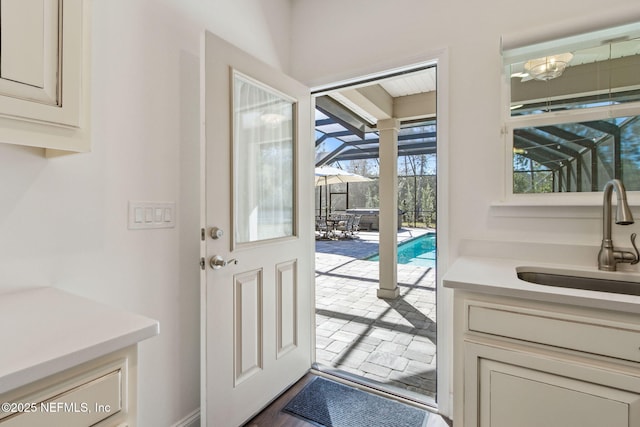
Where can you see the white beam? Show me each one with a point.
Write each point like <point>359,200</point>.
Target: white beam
<point>374,100</point>
<point>418,106</point>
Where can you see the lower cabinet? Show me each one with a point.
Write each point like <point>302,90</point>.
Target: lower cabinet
<point>525,389</point>
<point>97,393</point>
<point>524,364</point>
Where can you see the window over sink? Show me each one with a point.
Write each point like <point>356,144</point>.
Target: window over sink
<point>572,116</point>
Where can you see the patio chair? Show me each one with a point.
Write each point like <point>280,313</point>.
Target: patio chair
<point>321,227</point>
<point>345,226</point>
<point>355,227</point>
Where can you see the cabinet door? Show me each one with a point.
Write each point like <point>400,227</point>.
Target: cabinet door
<point>45,73</point>
<point>507,388</point>
<point>29,45</point>
<point>516,396</point>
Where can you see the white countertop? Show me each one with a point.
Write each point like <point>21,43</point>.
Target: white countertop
<point>45,330</point>
<point>498,276</point>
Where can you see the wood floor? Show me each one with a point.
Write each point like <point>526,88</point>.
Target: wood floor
<point>273,416</point>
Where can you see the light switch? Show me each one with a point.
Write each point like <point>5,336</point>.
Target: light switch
<point>149,215</point>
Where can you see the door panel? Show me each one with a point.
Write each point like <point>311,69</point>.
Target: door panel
<point>287,307</point>
<point>257,189</point>
<point>248,326</point>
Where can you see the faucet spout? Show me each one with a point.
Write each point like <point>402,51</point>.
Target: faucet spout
<point>608,256</point>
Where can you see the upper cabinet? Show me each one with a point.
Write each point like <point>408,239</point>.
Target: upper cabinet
<point>45,74</point>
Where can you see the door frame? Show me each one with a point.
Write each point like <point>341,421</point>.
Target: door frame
<point>444,297</point>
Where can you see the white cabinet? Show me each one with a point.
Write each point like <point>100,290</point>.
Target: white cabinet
<point>98,393</point>
<point>555,393</point>
<point>29,57</point>
<point>68,361</point>
<point>45,73</point>
<point>525,363</point>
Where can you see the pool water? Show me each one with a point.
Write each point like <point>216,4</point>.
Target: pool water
<point>420,251</point>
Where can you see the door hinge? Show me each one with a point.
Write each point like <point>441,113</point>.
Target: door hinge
<point>202,234</point>
<point>203,263</point>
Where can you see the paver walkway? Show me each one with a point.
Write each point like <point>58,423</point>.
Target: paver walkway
<point>389,341</point>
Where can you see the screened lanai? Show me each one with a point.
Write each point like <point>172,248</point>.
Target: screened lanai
<point>576,156</point>
<point>339,138</point>
<point>347,137</point>
<point>376,319</point>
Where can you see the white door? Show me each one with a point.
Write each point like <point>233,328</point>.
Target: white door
<point>258,219</point>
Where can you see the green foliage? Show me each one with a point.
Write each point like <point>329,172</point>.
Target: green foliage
<point>533,182</point>
<point>416,189</point>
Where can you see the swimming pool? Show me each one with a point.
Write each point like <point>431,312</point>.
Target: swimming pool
<point>420,251</point>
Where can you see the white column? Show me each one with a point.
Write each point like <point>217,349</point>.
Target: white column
<point>388,130</point>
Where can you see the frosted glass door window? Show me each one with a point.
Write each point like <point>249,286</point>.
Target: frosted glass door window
<point>263,169</point>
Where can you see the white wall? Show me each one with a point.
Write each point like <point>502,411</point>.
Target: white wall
<point>63,221</point>
<point>338,40</point>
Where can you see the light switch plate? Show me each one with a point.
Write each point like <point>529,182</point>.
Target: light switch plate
<point>150,215</point>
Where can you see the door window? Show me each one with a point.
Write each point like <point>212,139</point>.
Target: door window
<point>263,167</point>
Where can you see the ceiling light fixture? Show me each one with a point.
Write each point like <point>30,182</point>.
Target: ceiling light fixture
<point>272,119</point>
<point>548,67</point>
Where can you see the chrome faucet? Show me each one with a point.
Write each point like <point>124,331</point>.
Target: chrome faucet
<point>609,257</point>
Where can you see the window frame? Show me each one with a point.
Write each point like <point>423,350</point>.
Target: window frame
<point>510,123</point>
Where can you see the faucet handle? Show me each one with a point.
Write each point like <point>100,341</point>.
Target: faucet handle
<point>633,243</point>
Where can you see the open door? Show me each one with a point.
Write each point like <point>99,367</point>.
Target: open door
<point>257,241</point>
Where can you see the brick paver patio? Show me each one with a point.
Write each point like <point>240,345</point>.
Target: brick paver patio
<point>389,341</point>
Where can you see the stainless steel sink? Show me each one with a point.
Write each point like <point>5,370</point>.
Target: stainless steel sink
<point>601,284</point>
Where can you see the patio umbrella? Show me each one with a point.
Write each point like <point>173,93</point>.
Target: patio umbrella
<point>327,175</point>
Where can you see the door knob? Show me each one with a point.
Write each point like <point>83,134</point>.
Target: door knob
<point>217,262</point>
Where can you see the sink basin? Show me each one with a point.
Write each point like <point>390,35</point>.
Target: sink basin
<point>561,280</point>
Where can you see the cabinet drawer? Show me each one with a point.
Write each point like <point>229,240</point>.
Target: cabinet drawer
<point>85,403</point>
<point>613,339</point>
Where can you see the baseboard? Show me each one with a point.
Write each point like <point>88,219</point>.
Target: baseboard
<point>191,420</point>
